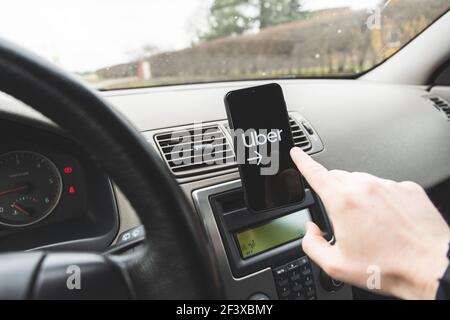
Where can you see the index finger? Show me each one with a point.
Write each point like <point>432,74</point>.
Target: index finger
<point>317,175</point>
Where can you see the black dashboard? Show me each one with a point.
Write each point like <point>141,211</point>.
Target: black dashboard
<point>53,195</point>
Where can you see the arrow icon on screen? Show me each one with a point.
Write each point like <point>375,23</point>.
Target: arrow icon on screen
<point>258,158</point>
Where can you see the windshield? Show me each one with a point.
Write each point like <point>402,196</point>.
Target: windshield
<point>136,43</point>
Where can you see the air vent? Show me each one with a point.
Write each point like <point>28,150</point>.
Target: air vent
<point>440,104</point>
<point>300,138</point>
<point>195,149</point>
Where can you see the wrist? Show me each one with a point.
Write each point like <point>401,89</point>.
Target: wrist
<point>422,276</point>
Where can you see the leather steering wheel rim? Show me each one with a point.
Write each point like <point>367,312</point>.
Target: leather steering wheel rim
<point>176,261</point>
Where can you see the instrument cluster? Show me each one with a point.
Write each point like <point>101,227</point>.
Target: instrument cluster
<point>51,193</point>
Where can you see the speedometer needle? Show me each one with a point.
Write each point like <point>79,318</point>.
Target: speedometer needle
<point>2,193</point>
<point>20,209</point>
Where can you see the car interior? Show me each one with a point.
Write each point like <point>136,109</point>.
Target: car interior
<point>87,178</point>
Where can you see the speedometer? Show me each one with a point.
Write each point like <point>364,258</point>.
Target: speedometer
<point>30,188</point>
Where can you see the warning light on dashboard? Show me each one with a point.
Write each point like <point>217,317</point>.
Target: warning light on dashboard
<point>68,170</point>
<point>71,189</point>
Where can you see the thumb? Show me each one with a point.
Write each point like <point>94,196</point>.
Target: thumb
<point>317,247</point>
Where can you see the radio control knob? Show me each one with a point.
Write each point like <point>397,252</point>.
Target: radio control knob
<point>259,296</point>
<point>328,283</point>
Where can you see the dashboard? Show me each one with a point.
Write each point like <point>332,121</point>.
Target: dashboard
<point>393,131</point>
<point>363,125</point>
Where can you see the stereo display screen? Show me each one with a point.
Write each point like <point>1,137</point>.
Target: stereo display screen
<point>273,234</point>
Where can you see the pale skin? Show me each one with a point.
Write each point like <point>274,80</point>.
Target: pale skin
<point>377,222</point>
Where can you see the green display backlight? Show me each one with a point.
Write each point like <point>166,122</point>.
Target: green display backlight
<point>273,234</point>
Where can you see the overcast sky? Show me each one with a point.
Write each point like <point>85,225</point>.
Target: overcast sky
<point>88,34</point>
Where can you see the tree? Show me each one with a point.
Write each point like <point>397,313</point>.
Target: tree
<point>234,17</point>
<point>273,12</point>
<point>226,19</point>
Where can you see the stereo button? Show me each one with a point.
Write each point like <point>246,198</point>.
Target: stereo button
<point>293,265</point>
<point>310,291</point>
<point>296,286</point>
<point>298,296</point>
<point>303,261</point>
<point>281,271</point>
<point>306,272</point>
<point>285,292</point>
<point>282,282</point>
<point>309,283</point>
<point>294,275</point>
<point>307,278</point>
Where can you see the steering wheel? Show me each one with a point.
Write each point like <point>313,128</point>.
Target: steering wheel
<point>174,263</point>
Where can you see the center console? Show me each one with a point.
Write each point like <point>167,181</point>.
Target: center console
<point>260,255</point>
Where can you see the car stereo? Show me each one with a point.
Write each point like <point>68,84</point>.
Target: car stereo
<point>254,241</point>
<point>260,255</point>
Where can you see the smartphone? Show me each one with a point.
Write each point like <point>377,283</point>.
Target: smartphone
<point>262,136</point>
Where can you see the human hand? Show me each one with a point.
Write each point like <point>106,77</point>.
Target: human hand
<point>377,222</point>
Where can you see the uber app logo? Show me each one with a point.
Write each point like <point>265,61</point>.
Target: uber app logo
<point>259,148</point>
<point>261,139</point>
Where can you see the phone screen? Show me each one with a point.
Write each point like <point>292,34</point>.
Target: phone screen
<point>262,141</point>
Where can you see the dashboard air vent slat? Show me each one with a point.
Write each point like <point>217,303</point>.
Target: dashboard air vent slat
<point>441,105</point>
<point>194,149</point>
<point>300,138</point>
